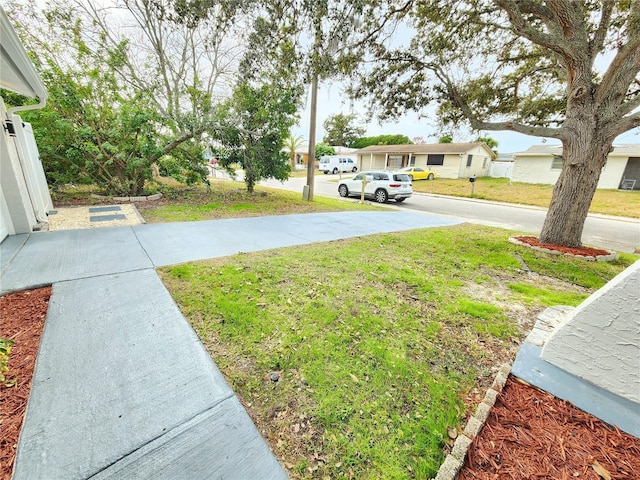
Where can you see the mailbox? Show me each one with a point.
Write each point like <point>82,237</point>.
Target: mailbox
<point>472,179</point>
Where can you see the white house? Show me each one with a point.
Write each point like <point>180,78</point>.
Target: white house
<point>448,160</point>
<point>542,164</point>
<point>24,195</point>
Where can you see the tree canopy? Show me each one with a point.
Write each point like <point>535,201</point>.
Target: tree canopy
<point>144,82</point>
<point>253,131</point>
<point>396,139</point>
<point>561,69</point>
<point>342,130</point>
<point>323,149</point>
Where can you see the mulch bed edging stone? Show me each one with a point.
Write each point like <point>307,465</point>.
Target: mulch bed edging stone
<point>455,460</point>
<point>148,198</point>
<point>585,253</point>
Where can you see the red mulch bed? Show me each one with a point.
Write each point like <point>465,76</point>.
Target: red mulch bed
<point>582,251</point>
<point>531,434</point>
<point>23,315</point>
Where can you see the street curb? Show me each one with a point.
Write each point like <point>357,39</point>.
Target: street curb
<point>450,469</point>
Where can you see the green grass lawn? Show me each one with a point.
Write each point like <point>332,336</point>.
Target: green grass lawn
<point>381,344</point>
<point>230,199</point>
<point>611,202</point>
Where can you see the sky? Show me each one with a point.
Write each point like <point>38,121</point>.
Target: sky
<point>332,100</point>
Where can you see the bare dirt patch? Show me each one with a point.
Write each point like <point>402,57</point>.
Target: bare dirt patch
<point>23,315</point>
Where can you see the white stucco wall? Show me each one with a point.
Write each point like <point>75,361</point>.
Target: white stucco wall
<point>534,169</point>
<point>537,169</point>
<point>612,172</point>
<point>13,185</point>
<point>600,340</point>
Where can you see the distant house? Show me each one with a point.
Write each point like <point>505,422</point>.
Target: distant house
<point>301,154</point>
<point>448,160</point>
<point>542,164</point>
<point>24,195</point>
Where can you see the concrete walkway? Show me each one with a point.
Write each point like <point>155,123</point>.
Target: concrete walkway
<point>123,388</point>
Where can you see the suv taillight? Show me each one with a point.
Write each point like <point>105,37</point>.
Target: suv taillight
<point>395,185</point>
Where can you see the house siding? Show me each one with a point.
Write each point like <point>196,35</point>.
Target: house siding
<point>612,172</point>
<point>537,169</point>
<point>479,166</point>
<point>534,169</point>
<point>454,164</point>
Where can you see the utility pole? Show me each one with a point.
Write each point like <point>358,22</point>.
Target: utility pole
<point>311,163</point>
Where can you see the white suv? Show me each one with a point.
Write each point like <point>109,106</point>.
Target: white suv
<point>381,185</point>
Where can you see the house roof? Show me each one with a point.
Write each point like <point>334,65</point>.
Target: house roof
<point>433,148</point>
<point>17,72</point>
<point>626,150</point>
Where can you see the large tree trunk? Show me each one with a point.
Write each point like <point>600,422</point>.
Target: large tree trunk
<point>584,156</point>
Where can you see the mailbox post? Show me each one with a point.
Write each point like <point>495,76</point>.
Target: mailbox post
<point>364,184</point>
<point>472,179</point>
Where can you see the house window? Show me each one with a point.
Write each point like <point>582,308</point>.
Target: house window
<point>469,160</point>
<point>484,163</point>
<point>435,159</point>
<point>556,164</point>
<point>395,161</point>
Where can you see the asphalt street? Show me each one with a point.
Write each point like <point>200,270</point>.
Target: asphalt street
<point>614,233</point>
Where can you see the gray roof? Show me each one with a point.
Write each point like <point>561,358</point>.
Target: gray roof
<point>623,150</point>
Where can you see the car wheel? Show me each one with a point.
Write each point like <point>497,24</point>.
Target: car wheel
<point>335,170</point>
<point>381,196</point>
<point>325,172</point>
<point>430,177</point>
<point>400,200</point>
<point>343,191</point>
<point>354,169</point>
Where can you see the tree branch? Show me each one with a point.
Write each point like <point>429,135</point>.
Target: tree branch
<point>597,42</point>
<point>478,124</point>
<point>628,106</point>
<point>626,64</point>
<point>370,35</point>
<point>522,26</point>
<point>625,124</point>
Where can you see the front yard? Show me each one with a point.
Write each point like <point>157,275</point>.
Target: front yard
<point>623,203</point>
<point>362,358</point>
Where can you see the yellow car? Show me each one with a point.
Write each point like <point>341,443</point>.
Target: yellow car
<point>417,173</point>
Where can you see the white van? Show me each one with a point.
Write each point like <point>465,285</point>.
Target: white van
<point>335,164</point>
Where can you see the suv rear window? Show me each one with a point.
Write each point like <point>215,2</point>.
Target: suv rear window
<point>401,177</point>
